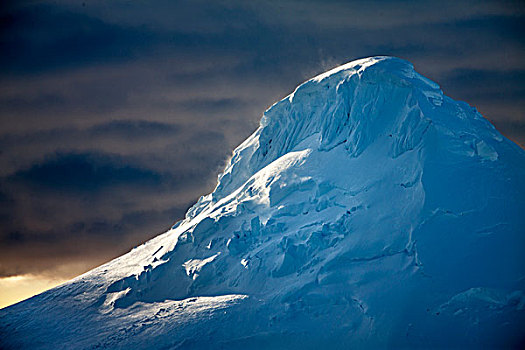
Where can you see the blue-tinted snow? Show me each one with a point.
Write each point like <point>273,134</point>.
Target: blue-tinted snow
<point>368,210</point>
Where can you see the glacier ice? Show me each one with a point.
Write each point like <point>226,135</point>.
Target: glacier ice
<point>367,210</point>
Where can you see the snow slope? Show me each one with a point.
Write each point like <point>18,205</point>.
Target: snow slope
<point>368,210</point>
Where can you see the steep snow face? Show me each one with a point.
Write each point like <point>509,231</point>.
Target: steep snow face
<point>367,210</point>
<point>357,104</point>
<point>354,104</point>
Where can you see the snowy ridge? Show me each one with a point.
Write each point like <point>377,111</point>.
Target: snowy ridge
<point>353,104</point>
<point>367,210</point>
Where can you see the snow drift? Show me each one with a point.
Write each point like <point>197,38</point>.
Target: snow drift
<point>367,210</point>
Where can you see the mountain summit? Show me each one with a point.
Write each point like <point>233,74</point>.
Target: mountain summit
<point>367,210</point>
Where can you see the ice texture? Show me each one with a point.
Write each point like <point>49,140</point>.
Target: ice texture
<point>368,210</point>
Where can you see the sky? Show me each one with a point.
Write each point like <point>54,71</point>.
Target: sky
<point>115,116</point>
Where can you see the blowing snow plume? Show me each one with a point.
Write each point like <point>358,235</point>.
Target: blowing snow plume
<point>368,210</point>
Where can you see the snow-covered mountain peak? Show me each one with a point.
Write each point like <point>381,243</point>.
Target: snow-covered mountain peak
<point>372,101</point>
<point>367,210</point>
<point>379,69</point>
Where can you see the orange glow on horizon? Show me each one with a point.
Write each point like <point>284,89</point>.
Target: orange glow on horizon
<point>17,288</point>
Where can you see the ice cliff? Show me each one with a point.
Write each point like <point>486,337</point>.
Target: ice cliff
<point>368,210</point>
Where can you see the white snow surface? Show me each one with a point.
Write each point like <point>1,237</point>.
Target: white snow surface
<point>368,210</point>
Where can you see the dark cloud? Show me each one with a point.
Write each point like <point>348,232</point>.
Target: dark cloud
<point>115,116</point>
<point>133,129</point>
<point>488,85</point>
<point>41,37</point>
<point>214,106</point>
<point>83,172</point>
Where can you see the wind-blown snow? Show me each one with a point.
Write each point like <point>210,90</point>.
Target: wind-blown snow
<point>367,210</point>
